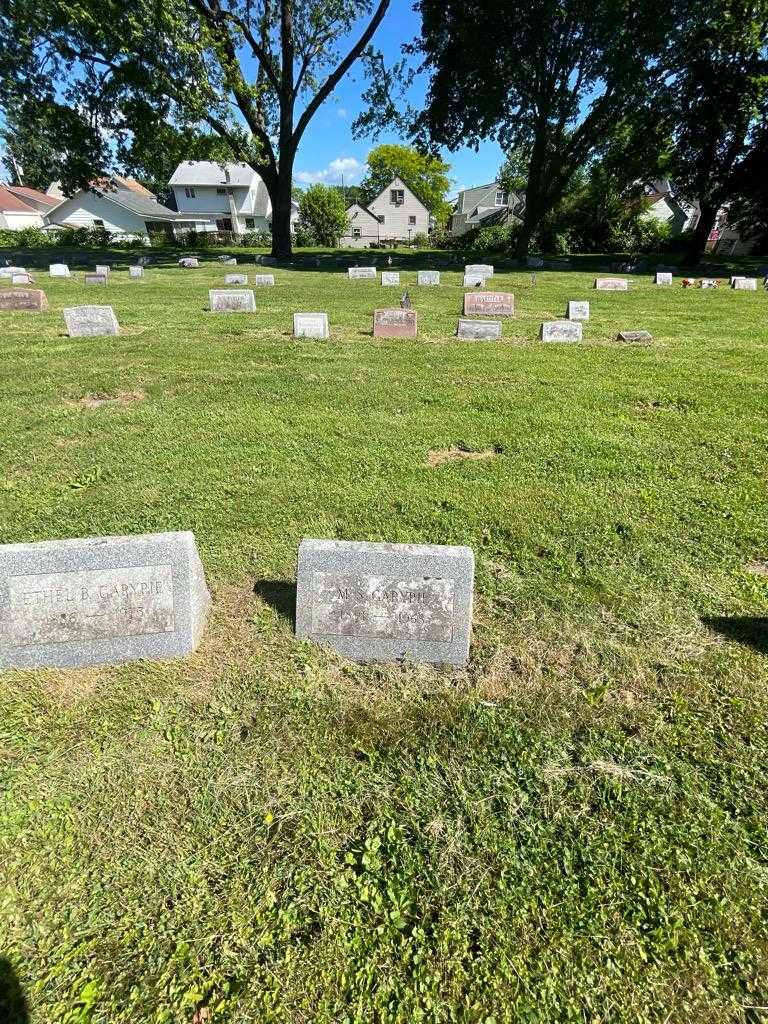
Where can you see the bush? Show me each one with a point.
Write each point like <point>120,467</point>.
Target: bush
<point>256,239</point>
<point>421,241</point>
<point>305,236</point>
<point>498,238</point>
<point>27,238</point>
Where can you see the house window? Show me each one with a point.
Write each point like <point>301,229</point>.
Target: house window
<point>98,223</point>
<point>189,193</point>
<point>412,220</point>
<point>501,198</point>
<point>250,223</point>
<point>225,224</point>
<point>397,196</point>
<point>357,232</point>
<point>381,218</point>
<point>221,191</point>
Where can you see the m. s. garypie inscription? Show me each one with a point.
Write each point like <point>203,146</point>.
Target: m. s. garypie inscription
<point>354,604</point>
<point>95,604</point>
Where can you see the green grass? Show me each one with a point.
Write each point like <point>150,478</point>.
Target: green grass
<point>574,829</point>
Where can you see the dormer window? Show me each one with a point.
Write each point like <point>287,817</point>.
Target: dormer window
<point>502,198</point>
<point>397,196</point>
<point>189,193</point>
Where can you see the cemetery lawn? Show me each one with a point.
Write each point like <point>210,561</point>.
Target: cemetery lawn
<point>573,829</point>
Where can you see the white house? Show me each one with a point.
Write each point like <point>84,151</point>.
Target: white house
<point>485,206</point>
<point>395,215</point>
<point>666,205</point>
<point>119,205</point>
<point>16,212</point>
<point>228,197</point>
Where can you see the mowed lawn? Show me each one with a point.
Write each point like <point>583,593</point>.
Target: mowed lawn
<point>574,829</point>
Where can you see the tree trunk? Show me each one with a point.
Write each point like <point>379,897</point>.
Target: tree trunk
<point>701,233</point>
<point>281,216</point>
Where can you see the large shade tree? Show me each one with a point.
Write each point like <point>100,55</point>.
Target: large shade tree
<point>425,174</point>
<point>251,72</point>
<point>552,79</point>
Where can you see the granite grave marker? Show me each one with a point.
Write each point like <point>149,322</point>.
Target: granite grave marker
<point>479,330</point>
<point>236,279</point>
<point>578,310</point>
<point>58,270</point>
<point>310,325</point>
<point>394,323</point>
<point>361,273</point>
<point>611,284</point>
<point>390,278</point>
<point>264,280</point>
<point>428,278</point>
<point>225,301</point>
<point>489,303</point>
<point>561,330</point>
<point>18,299</point>
<point>90,321</point>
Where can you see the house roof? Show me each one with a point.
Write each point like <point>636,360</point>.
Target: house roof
<point>362,209</point>
<point>207,172</point>
<point>144,207</point>
<point>9,203</point>
<point>399,183</point>
<point>23,191</point>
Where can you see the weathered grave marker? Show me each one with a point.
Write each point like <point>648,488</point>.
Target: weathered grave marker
<point>475,280</point>
<point>310,325</point>
<point>736,277</point>
<point>663,277</point>
<point>561,330</point>
<point>479,268</point>
<point>390,278</point>
<point>708,282</point>
<point>96,279</point>
<point>578,310</point>
<point>189,261</point>
<point>136,271</point>
<point>611,284</point>
<point>489,303</point>
<point>103,600</point>
<point>58,270</point>
<point>386,602</point>
<point>428,278</point>
<point>9,272</point>
<point>103,269</point>
<point>264,280</point>
<point>482,330</point>
<point>236,279</point>
<point>225,301</point>
<point>635,337</point>
<point>394,323</point>
<point>21,279</point>
<point>745,284</point>
<point>18,299</point>
<point>361,273</point>
<point>91,321</point>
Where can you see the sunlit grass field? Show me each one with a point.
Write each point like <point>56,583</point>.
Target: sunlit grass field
<point>573,829</point>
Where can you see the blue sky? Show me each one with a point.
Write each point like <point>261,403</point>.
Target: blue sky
<point>329,148</point>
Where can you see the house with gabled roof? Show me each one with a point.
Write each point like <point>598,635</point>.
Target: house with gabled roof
<point>486,206</point>
<point>395,215</point>
<point>17,211</point>
<point>223,197</point>
<point>118,205</point>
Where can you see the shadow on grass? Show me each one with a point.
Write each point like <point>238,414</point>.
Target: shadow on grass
<point>752,631</point>
<point>13,1003</point>
<point>280,595</point>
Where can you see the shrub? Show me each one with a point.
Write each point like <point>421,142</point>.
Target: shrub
<point>27,238</point>
<point>322,211</point>
<point>422,241</point>
<point>256,239</point>
<point>305,236</point>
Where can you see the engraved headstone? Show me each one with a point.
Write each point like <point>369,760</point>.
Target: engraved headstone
<point>386,602</point>
<point>475,280</point>
<point>611,284</point>
<point>708,282</point>
<point>136,271</point>
<point>479,268</point>
<point>578,310</point>
<point>230,261</point>
<point>21,279</point>
<point>390,278</point>
<point>264,280</point>
<point>561,330</point>
<point>58,270</point>
<point>734,278</point>
<point>235,279</point>
<point>361,273</point>
<point>483,330</point>
<point>394,323</point>
<point>745,284</point>
<point>663,277</point>
<point>23,299</point>
<point>103,268</point>
<point>90,321</point>
<point>635,337</point>
<point>103,600</point>
<point>310,325</point>
<point>427,278</point>
<point>489,303</point>
<point>9,272</point>
<point>225,301</point>
<point>96,279</point>
<point>189,261</point>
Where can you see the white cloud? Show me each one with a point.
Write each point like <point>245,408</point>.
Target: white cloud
<point>331,175</point>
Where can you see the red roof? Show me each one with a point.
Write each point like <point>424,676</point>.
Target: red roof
<point>21,191</point>
<point>9,203</point>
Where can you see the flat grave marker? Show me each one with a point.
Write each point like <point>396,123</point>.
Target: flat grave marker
<point>189,262</point>
<point>17,299</point>
<point>390,278</point>
<point>101,600</point>
<point>58,270</point>
<point>475,280</point>
<point>635,337</point>
<point>100,279</point>
<point>90,321</point>
<point>386,602</point>
<point>611,284</point>
<point>9,272</point>
<point>235,279</point>
<point>578,310</point>
<point>745,284</point>
<point>264,280</point>
<point>361,273</point>
<point>479,330</point>
<point>310,325</point>
<point>226,301</point>
<point>428,278</point>
<point>395,323</point>
<point>489,303</point>
<point>561,330</point>
<point>21,279</point>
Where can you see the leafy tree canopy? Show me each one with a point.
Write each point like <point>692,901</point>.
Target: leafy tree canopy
<point>323,214</point>
<point>425,175</point>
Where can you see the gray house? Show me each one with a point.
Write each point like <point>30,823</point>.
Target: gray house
<point>484,206</point>
<point>395,215</point>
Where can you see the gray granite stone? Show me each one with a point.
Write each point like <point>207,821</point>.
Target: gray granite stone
<point>310,325</point>
<point>663,277</point>
<point>561,330</point>
<point>611,284</point>
<point>9,272</point>
<point>14,299</point>
<point>578,310</point>
<point>361,273</point>
<point>100,279</point>
<point>136,271</point>
<point>708,282</point>
<point>90,321</point>
<point>485,269</point>
<point>236,278</point>
<point>428,278</point>
<point>189,261</point>
<point>390,278</point>
<point>483,330</point>
<point>264,280</point>
<point>635,337</point>
<point>102,600</point>
<point>745,284</point>
<point>104,269</point>
<point>386,602</point>
<point>58,270</point>
<point>226,301</point>
<point>475,280</point>
<point>21,279</point>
